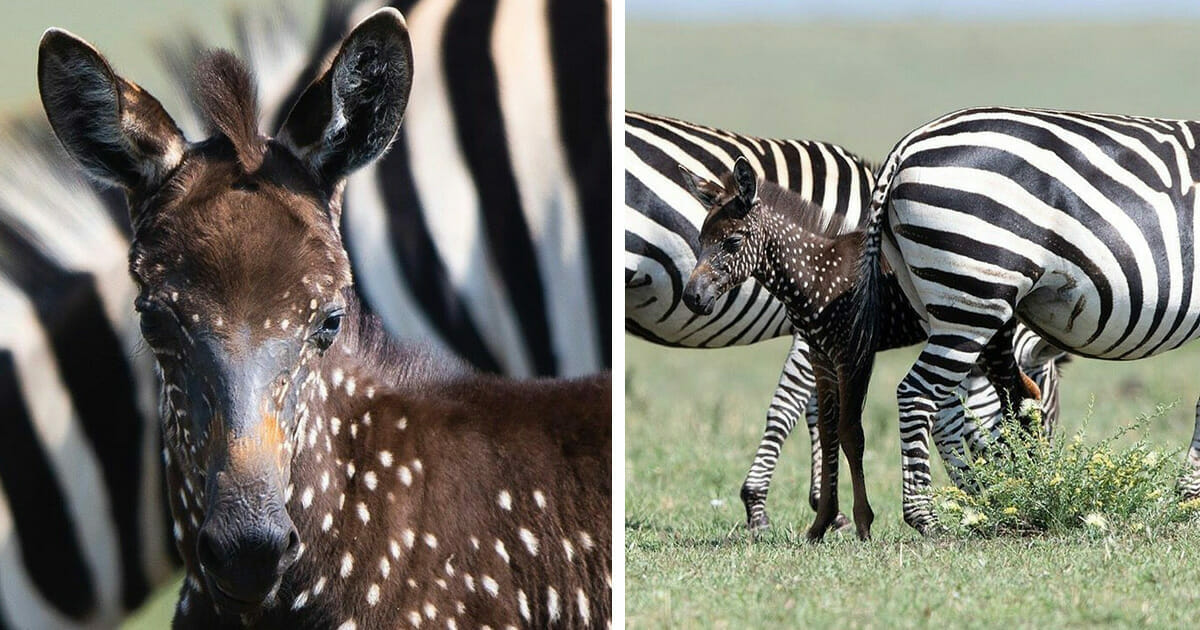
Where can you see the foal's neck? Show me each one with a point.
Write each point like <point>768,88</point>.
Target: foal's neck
<point>808,272</point>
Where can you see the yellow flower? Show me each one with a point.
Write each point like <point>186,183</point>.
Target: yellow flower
<point>1010,510</point>
<point>1056,480</point>
<point>971,518</point>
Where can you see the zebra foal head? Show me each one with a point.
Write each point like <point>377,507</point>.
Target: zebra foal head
<point>730,237</point>
<point>242,279</point>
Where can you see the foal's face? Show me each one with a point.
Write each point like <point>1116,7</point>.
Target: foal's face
<point>730,238</point>
<point>240,282</point>
<point>240,271</point>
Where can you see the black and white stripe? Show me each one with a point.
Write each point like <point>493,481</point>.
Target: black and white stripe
<point>1079,225</point>
<point>662,223</point>
<point>485,231</point>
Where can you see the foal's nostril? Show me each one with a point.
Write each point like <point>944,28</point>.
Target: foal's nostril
<point>292,552</point>
<point>206,551</point>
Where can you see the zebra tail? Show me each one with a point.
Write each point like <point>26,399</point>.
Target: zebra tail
<point>866,296</point>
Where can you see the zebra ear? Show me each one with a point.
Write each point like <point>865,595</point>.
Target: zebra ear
<point>115,130</point>
<point>350,115</point>
<point>706,192</point>
<point>746,180</point>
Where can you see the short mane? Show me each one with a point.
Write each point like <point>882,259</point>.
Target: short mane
<point>808,215</point>
<point>228,102</point>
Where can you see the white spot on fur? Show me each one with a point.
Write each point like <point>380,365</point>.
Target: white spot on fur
<point>385,459</point>
<point>505,500</point>
<point>430,540</point>
<point>370,480</point>
<point>347,565</point>
<point>306,497</point>
<point>490,585</point>
<point>373,595</point>
<point>363,514</point>
<point>539,498</point>
<point>523,603</point>
<point>552,603</point>
<point>501,551</point>
<point>531,541</point>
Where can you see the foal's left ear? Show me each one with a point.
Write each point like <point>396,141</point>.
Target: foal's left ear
<point>351,114</point>
<point>113,128</point>
<point>746,180</point>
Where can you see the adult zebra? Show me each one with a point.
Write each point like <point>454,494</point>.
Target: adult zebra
<point>662,223</point>
<point>1079,225</point>
<point>484,232</point>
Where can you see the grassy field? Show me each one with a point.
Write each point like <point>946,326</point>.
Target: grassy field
<point>693,418</point>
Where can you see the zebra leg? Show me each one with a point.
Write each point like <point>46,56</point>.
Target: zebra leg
<point>1189,483</point>
<point>1017,391</point>
<point>941,367</point>
<point>792,396</point>
<point>964,424</point>
<point>827,395</point>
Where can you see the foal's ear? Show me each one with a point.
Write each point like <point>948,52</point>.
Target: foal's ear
<point>113,128</point>
<point>350,115</point>
<point>746,180</point>
<point>706,192</point>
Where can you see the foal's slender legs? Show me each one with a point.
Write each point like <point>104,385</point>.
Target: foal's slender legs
<point>852,396</point>
<point>827,395</point>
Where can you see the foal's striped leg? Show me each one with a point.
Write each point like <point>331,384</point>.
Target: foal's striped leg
<point>792,397</point>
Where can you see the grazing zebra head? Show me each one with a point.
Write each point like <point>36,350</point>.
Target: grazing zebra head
<point>240,270</point>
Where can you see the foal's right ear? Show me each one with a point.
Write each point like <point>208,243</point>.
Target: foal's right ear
<point>113,128</point>
<point>706,192</point>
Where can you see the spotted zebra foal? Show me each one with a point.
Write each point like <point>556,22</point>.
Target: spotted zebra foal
<point>757,228</point>
<point>321,475</point>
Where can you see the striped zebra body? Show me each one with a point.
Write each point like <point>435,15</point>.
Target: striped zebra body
<point>84,530</point>
<point>1078,225</point>
<point>662,222</point>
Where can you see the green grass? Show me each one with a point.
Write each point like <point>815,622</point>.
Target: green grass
<point>693,418</point>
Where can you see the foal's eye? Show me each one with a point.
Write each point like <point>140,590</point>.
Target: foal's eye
<point>732,243</point>
<point>156,324</point>
<point>329,328</point>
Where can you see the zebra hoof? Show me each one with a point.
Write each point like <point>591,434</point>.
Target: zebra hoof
<point>758,523</point>
<point>841,523</point>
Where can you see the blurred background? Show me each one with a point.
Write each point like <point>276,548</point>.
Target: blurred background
<point>124,31</point>
<point>862,74</point>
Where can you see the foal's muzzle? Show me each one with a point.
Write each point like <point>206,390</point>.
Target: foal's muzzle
<point>245,545</point>
<point>701,292</point>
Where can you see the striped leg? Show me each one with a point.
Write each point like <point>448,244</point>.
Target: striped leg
<point>942,366</point>
<point>965,423</point>
<point>1018,393</point>
<point>792,397</point>
<point>1189,483</point>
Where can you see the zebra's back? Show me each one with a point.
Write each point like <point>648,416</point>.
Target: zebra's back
<point>1087,219</point>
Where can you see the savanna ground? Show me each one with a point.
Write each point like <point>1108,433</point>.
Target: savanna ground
<point>693,417</point>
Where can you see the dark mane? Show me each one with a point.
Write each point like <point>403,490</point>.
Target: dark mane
<point>228,102</point>
<point>805,214</point>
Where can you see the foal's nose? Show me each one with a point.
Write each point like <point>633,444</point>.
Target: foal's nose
<point>245,560</point>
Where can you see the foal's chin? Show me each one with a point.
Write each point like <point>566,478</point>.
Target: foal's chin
<point>228,603</point>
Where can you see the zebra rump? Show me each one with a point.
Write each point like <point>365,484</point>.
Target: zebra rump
<point>485,232</point>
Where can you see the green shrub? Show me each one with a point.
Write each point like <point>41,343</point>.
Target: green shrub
<point>1030,484</point>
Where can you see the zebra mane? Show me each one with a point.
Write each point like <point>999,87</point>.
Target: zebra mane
<point>228,104</point>
<point>801,212</point>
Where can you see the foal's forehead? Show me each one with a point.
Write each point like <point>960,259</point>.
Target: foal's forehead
<point>237,241</point>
